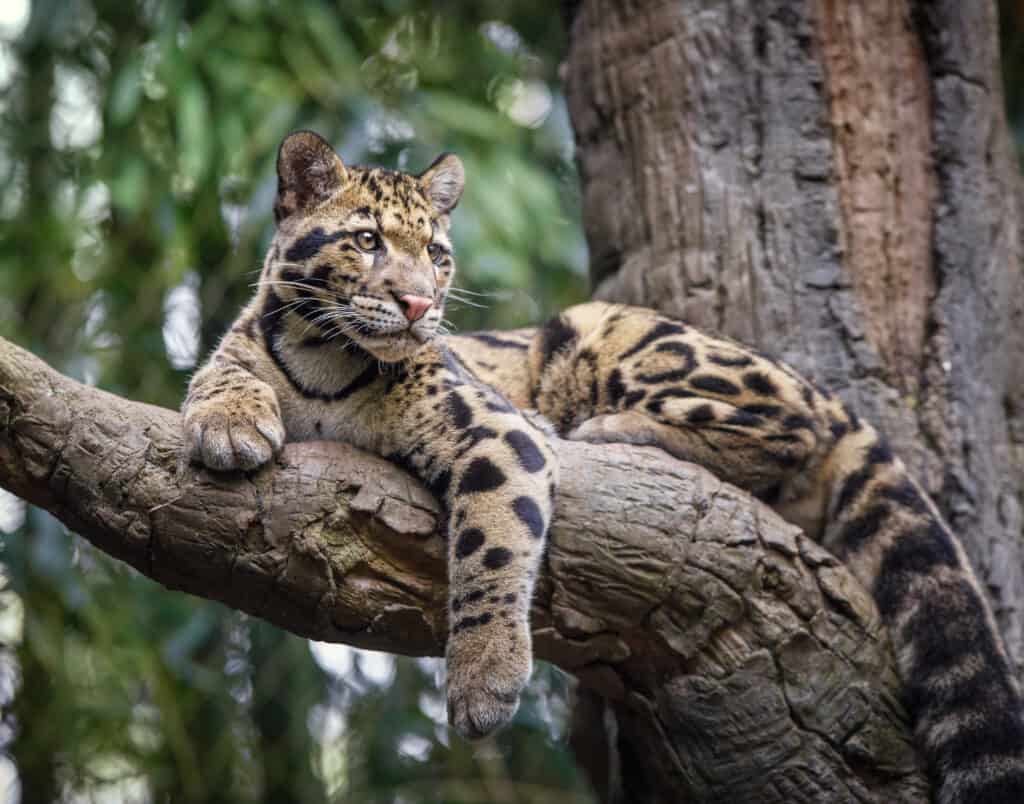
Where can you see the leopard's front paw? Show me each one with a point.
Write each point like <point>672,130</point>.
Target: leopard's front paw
<point>242,434</point>
<point>483,690</point>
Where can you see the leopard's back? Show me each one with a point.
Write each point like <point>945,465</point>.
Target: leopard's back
<point>610,373</point>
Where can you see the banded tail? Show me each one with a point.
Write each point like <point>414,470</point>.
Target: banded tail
<point>960,690</point>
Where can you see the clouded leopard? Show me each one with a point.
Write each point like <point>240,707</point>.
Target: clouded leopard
<point>341,342</point>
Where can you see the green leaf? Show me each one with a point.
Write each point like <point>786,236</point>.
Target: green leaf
<point>125,93</point>
<point>194,131</point>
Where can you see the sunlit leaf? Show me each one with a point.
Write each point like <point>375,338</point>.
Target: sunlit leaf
<point>194,130</point>
<point>125,93</point>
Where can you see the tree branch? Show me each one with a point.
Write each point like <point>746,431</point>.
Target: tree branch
<point>743,661</point>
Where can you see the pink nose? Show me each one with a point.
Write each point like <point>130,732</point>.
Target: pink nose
<point>415,307</point>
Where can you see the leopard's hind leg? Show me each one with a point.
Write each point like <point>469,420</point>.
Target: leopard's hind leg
<point>741,463</point>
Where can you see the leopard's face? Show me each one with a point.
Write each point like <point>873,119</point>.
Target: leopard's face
<point>363,254</point>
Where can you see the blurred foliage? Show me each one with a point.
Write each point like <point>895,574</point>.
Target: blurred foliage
<point>1011,30</point>
<point>137,147</point>
<point>138,154</point>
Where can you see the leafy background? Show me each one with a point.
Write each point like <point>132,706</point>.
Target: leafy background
<point>137,142</point>
<point>137,146</point>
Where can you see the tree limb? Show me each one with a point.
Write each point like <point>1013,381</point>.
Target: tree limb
<point>744,663</point>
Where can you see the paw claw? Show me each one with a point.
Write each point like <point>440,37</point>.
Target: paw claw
<point>228,437</point>
<point>476,713</point>
<point>483,691</point>
<point>272,431</point>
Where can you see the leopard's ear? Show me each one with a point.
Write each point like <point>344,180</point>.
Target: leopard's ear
<point>443,182</point>
<point>308,173</point>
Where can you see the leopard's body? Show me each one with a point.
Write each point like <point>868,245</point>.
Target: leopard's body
<point>340,342</point>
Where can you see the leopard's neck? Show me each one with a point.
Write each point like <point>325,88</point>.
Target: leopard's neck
<point>317,366</point>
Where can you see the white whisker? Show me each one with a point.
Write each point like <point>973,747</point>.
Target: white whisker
<point>287,284</point>
<point>490,294</point>
<point>467,303</point>
<point>284,308</point>
<point>325,316</point>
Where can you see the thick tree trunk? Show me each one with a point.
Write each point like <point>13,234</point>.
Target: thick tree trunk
<point>832,181</point>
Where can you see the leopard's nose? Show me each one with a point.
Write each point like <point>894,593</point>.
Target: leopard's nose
<point>414,307</point>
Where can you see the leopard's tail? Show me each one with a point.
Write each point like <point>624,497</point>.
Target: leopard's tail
<point>960,690</point>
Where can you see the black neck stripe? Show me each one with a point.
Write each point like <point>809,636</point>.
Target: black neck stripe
<point>271,325</point>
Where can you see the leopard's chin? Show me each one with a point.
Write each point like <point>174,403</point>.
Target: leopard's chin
<point>394,347</point>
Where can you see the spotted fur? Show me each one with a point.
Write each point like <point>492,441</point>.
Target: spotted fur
<point>332,347</point>
<point>606,373</point>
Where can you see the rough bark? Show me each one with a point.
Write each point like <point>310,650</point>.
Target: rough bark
<point>745,663</point>
<point>833,182</point>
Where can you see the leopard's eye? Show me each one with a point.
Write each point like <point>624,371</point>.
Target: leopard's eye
<point>436,252</point>
<point>367,240</point>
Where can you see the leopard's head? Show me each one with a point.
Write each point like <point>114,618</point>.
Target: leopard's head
<point>362,254</point>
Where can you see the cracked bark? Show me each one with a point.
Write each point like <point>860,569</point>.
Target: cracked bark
<point>743,661</point>
<point>833,182</point>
